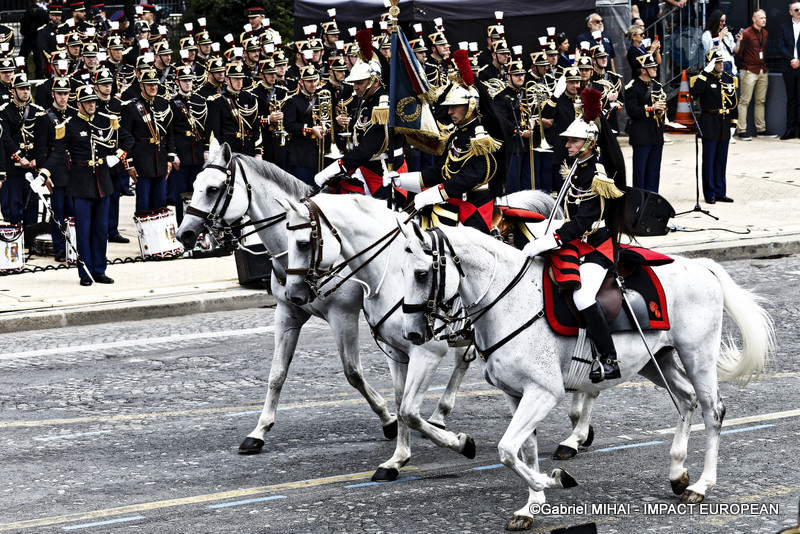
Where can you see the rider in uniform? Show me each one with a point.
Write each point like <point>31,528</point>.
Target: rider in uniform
<point>585,242</point>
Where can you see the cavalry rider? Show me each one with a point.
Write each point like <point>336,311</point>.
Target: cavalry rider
<point>458,191</point>
<point>584,244</point>
<point>366,161</point>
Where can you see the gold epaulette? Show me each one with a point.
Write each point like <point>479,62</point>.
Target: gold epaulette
<point>61,129</point>
<point>702,77</point>
<point>481,146</point>
<point>112,119</point>
<point>603,185</point>
<point>380,116</point>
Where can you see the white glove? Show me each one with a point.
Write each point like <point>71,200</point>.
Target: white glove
<point>111,161</point>
<point>710,66</point>
<point>430,196</point>
<point>561,86</point>
<point>328,172</point>
<point>36,183</point>
<point>390,179</point>
<point>543,244</point>
<point>537,229</point>
<point>410,181</point>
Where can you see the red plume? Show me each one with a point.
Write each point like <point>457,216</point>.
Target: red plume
<point>364,40</point>
<point>461,59</point>
<point>591,104</point>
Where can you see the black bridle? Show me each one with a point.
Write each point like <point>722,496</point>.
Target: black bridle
<point>436,303</point>
<point>215,218</point>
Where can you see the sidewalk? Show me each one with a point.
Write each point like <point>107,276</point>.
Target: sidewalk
<point>763,179</point>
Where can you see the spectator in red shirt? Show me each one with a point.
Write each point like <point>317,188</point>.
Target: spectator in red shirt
<point>754,75</point>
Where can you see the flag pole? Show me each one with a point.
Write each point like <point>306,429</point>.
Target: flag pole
<point>394,13</point>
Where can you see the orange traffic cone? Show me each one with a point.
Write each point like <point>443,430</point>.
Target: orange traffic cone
<point>683,115</point>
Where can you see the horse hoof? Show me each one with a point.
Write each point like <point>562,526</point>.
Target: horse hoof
<point>680,485</point>
<point>390,430</point>
<point>519,522</point>
<point>564,453</point>
<point>589,438</point>
<point>567,481</point>
<point>692,497</point>
<point>251,446</point>
<point>469,448</point>
<point>385,475</point>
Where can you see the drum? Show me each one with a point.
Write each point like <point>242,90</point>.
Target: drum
<point>157,230</point>
<point>43,245</point>
<point>12,247</point>
<point>72,255</point>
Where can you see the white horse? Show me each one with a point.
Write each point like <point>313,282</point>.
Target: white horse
<point>233,186</point>
<point>530,368</point>
<point>334,231</point>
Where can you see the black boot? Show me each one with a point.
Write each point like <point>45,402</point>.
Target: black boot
<point>607,367</point>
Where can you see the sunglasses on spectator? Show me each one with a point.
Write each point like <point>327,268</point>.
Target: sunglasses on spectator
<point>601,21</point>
<point>796,10</point>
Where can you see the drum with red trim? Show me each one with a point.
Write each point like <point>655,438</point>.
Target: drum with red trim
<point>157,233</point>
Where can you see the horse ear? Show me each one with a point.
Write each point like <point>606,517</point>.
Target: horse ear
<point>418,232</point>
<point>226,153</point>
<point>213,149</point>
<point>403,228</point>
<point>288,205</point>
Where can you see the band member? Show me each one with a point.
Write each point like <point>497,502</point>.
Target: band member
<point>89,143</point>
<point>341,98</point>
<point>252,56</point>
<point>46,34</point>
<point>558,113</point>
<point>165,70</point>
<point>271,98</point>
<point>330,36</point>
<point>189,114</point>
<point>586,240</point>
<point>148,118</point>
<point>233,115</point>
<point>7,69</point>
<point>716,93</point>
<point>365,163</point>
<point>45,130</point>
<point>494,34</point>
<point>459,190</point>
<point>611,83</point>
<point>298,120</point>
<point>60,68</point>
<point>255,17</point>
<point>501,56</point>
<point>78,21</point>
<point>436,66</point>
<point>19,117</point>
<point>215,79</point>
<point>188,53</point>
<point>646,104</point>
<point>513,106</point>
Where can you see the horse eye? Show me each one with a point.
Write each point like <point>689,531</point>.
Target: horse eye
<point>212,189</point>
<point>303,245</point>
<point>421,274</point>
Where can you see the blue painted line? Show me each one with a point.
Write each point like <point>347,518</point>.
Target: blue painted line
<point>101,523</point>
<point>380,483</point>
<point>248,501</point>
<point>483,467</point>
<point>69,436</point>
<point>746,429</point>
<point>630,446</point>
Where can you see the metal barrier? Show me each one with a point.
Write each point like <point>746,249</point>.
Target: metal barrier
<point>681,30</point>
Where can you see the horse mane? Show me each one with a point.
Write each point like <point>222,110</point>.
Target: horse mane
<point>293,187</point>
<point>537,201</point>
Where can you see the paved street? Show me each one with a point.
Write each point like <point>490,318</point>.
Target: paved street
<point>134,427</point>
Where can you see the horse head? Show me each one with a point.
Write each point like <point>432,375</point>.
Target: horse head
<point>215,199</point>
<point>312,248</point>
<point>426,285</point>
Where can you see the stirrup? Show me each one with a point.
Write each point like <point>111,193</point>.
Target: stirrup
<point>598,365</point>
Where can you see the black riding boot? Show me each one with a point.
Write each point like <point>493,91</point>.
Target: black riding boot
<point>607,367</point>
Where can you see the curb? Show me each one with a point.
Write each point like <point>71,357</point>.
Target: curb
<point>149,308</point>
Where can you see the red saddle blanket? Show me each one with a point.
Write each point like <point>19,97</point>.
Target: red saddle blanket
<point>635,263</point>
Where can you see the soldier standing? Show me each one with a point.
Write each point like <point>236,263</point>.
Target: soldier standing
<point>646,104</point>
<point>148,118</point>
<point>46,34</point>
<point>271,98</point>
<point>164,68</point>
<point>516,117</point>
<point>89,143</point>
<point>48,124</point>
<point>233,115</point>
<point>215,81</point>
<point>501,55</point>
<point>558,113</point>
<point>189,114</point>
<point>298,120</point>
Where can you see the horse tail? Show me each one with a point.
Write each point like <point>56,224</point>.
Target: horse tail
<point>755,324</point>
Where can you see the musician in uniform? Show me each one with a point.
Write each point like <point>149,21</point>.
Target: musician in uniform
<point>366,162</point>
<point>715,92</point>
<point>494,34</point>
<point>148,118</point>
<point>341,98</point>
<point>60,68</point>
<point>233,115</point>
<point>513,108</point>
<point>252,56</point>
<point>189,113</point>
<point>646,105</point>
<point>436,65</point>
<point>458,191</point>
<point>271,97</point>
<point>558,113</point>
<point>543,83</point>
<point>89,143</point>
<point>78,22</point>
<point>46,35</point>
<point>611,82</point>
<point>19,117</point>
<point>45,142</point>
<point>552,54</point>
<point>7,69</point>
<point>298,120</point>
<point>255,17</point>
<point>165,70</point>
<point>501,55</point>
<point>215,80</point>
<point>330,37</point>
<point>587,239</point>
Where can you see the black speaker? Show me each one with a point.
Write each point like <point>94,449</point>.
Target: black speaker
<point>648,212</point>
<point>253,268</point>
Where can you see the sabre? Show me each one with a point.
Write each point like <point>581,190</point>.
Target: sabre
<point>621,286</point>
<point>561,195</point>
<point>37,188</point>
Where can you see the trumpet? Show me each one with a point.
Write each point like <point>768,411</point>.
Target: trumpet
<point>658,95</point>
<point>277,129</point>
<point>537,94</point>
<point>341,109</point>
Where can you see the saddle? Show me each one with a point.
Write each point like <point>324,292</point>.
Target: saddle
<point>643,289</point>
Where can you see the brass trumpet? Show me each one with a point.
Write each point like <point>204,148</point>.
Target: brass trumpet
<point>276,105</point>
<point>537,94</point>
<point>658,95</point>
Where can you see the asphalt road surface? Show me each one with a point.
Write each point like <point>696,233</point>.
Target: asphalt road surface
<point>134,427</point>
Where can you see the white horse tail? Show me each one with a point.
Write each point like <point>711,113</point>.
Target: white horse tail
<point>755,324</point>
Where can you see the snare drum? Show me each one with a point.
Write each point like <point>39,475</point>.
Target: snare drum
<point>43,245</point>
<point>157,230</point>
<point>12,247</point>
<point>72,255</point>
